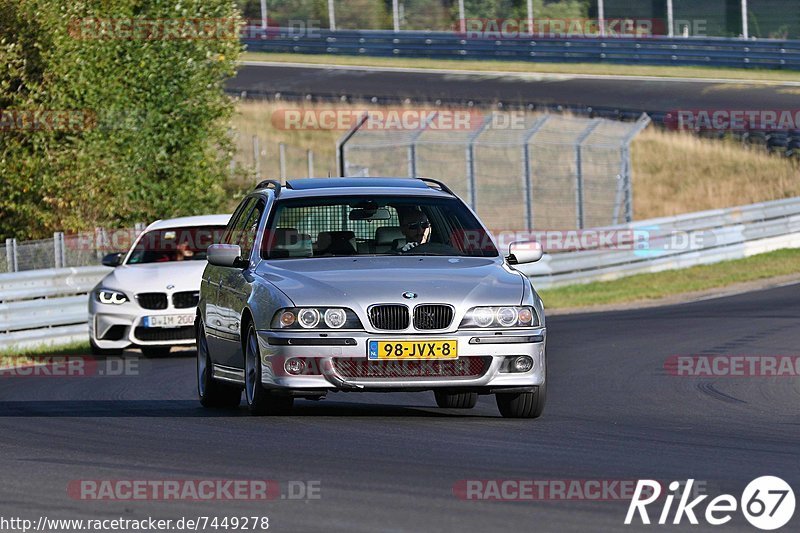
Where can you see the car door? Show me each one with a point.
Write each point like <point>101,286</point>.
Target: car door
<point>236,283</point>
<point>215,310</point>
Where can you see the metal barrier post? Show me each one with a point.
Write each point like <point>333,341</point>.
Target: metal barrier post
<point>579,171</point>
<point>310,158</point>
<point>11,255</point>
<point>59,254</point>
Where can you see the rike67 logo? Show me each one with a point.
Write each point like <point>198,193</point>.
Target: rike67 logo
<point>767,503</point>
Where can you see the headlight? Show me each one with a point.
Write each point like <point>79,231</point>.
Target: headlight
<point>308,318</point>
<point>316,318</point>
<point>483,316</point>
<point>107,296</point>
<point>501,317</point>
<point>335,318</point>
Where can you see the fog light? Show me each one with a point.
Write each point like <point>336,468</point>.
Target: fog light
<point>523,363</point>
<point>295,366</point>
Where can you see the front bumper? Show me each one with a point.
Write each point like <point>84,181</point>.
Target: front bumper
<point>331,354</point>
<point>120,326</point>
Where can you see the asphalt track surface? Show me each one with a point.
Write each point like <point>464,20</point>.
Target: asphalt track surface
<point>637,94</point>
<point>389,462</point>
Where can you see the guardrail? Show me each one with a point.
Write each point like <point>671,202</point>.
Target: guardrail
<point>41,307</point>
<point>677,242</point>
<point>50,306</point>
<point>682,51</point>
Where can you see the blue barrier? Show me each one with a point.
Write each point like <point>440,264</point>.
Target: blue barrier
<point>715,52</point>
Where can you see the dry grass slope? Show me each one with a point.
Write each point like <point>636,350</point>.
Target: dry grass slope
<point>679,173</point>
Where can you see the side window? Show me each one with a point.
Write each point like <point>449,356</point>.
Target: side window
<point>247,235</point>
<point>236,221</point>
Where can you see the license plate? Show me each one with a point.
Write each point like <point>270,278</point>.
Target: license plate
<point>443,349</point>
<point>168,321</point>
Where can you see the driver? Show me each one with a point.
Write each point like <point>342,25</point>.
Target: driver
<point>415,227</point>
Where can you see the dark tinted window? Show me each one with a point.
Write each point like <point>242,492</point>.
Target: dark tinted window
<point>176,244</point>
<point>374,225</point>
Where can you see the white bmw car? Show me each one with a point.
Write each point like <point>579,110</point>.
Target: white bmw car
<point>150,299</point>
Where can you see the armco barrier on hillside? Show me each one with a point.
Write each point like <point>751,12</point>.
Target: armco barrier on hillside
<point>707,51</point>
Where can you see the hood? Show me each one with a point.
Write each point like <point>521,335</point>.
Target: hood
<point>360,282</point>
<point>155,277</point>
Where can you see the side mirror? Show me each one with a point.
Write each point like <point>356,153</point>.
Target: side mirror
<point>522,252</point>
<point>112,260</point>
<point>226,255</point>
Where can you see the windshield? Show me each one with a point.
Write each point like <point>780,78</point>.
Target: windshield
<point>374,225</point>
<point>175,244</point>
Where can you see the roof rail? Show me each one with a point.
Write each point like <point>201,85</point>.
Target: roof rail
<point>442,186</point>
<point>276,185</point>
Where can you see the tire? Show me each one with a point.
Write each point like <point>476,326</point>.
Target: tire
<point>524,404</point>
<point>455,400</point>
<point>260,401</point>
<point>211,392</point>
<point>155,352</point>
<point>103,352</point>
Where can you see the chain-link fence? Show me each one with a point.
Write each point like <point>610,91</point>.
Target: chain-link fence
<point>65,250</point>
<point>518,171</point>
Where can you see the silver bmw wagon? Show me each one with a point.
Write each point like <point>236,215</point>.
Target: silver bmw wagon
<point>367,285</point>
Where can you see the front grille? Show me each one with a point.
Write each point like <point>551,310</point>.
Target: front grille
<point>164,334</point>
<point>432,316</point>
<point>152,300</point>
<point>464,367</point>
<point>185,300</point>
<point>389,317</point>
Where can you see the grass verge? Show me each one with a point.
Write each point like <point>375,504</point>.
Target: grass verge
<point>27,355</point>
<point>643,287</point>
<point>527,66</point>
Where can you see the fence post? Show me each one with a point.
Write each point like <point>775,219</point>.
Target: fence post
<point>341,144</point>
<point>526,169</point>
<point>642,123</point>
<point>310,158</point>
<point>472,190</point>
<point>579,203</point>
<point>331,15</point>
<point>412,145</point>
<point>11,255</point>
<point>256,157</point>
<point>282,160</point>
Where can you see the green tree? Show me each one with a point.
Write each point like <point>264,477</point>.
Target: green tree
<point>156,144</point>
